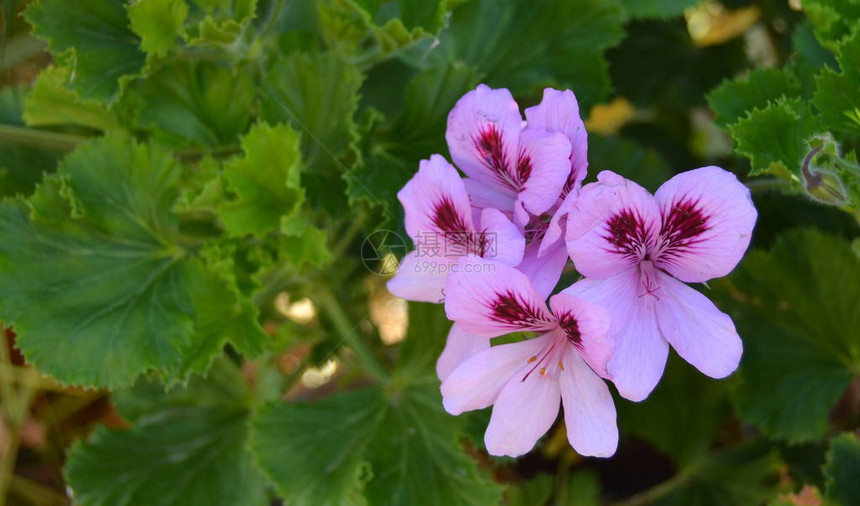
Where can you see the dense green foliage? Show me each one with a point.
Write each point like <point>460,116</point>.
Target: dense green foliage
<point>183,163</point>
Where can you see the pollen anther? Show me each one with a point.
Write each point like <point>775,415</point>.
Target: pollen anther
<point>532,359</point>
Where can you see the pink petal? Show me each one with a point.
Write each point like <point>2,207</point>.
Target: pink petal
<point>435,201</point>
<point>483,196</point>
<point>476,383</point>
<point>558,223</point>
<point>544,272</point>
<point>543,167</point>
<point>559,112</point>
<point>505,242</point>
<point>701,334</point>
<point>585,325</point>
<point>610,226</point>
<point>640,351</point>
<point>491,299</point>
<point>522,413</point>
<point>589,412</point>
<point>483,136</point>
<point>708,218</point>
<point>421,278</point>
<point>459,347</point>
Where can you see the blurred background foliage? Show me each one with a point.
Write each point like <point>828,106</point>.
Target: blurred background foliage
<point>190,278</point>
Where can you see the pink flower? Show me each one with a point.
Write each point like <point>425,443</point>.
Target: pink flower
<point>633,248</point>
<point>524,169</point>
<point>440,221</point>
<point>524,381</point>
<point>517,169</point>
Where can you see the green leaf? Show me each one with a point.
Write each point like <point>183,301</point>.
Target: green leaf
<point>409,442</point>
<point>21,167</point>
<point>837,95</point>
<point>628,158</point>
<point>308,247</point>
<point>318,96</point>
<point>644,9</point>
<point>671,420</point>
<point>158,23</point>
<point>416,458</point>
<point>197,103</point>
<point>774,137</point>
<point>740,475</point>
<point>842,469</point>
<point>799,326</point>
<point>265,181</point>
<point>93,37</point>
<point>413,134</point>
<point>732,99</point>
<point>525,45</point>
<point>832,20</point>
<point>50,103</point>
<point>186,447</point>
<point>425,340</point>
<point>92,273</point>
<point>313,470</point>
<point>536,491</point>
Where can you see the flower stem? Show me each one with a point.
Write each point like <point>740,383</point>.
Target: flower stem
<point>656,492</point>
<point>329,304</point>
<point>43,139</point>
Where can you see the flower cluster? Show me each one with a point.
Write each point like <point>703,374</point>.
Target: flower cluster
<point>502,237</point>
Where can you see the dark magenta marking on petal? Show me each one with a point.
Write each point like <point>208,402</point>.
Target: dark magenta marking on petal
<point>571,329</point>
<point>491,149</point>
<point>524,167</point>
<point>510,308</point>
<point>453,226</point>
<point>682,228</point>
<point>627,234</point>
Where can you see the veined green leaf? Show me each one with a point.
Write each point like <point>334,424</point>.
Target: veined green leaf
<point>842,469</point>
<point>196,103</point>
<point>50,103</point>
<point>93,273</point>
<point>774,137</point>
<point>158,23</point>
<point>93,38</point>
<point>188,446</point>
<point>265,181</point>
<point>757,89</point>
<point>838,95</point>
<point>409,442</point>
<point>646,9</point>
<point>799,326</point>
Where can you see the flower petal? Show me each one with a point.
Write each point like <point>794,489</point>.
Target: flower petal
<point>505,242</point>
<point>483,196</point>
<point>544,272</point>
<point>559,112</point>
<point>491,299</point>
<point>542,168</point>
<point>701,334</point>
<point>483,136</point>
<point>640,351</point>
<point>523,412</point>
<point>421,278</point>
<point>435,201</point>
<point>558,223</point>
<point>459,347</point>
<point>708,218</point>
<point>476,383</point>
<point>589,412</point>
<point>585,325</point>
<point>610,226</point>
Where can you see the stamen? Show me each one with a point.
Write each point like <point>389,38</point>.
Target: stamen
<point>539,362</point>
<point>532,359</point>
<point>560,365</point>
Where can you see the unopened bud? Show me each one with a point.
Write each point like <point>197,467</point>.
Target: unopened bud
<point>822,185</point>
